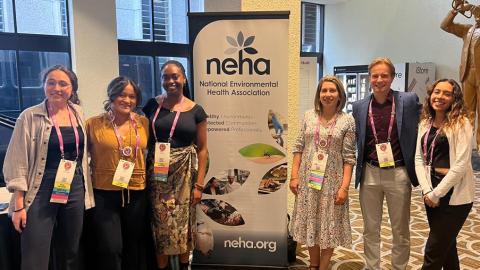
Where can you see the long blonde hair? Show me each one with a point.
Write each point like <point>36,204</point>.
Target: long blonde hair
<point>457,112</point>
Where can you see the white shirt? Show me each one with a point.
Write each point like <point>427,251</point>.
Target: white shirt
<point>460,175</point>
<point>230,187</point>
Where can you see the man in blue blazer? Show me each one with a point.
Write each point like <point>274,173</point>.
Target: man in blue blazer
<point>386,128</point>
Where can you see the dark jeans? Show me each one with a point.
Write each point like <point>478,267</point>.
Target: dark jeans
<point>445,223</point>
<point>62,222</point>
<point>117,234</point>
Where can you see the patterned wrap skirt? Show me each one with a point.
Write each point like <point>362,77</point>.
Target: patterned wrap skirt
<point>173,217</point>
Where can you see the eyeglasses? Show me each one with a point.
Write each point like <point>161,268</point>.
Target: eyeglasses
<point>61,84</point>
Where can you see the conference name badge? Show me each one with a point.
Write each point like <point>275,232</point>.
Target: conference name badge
<point>63,181</point>
<point>162,161</point>
<point>385,155</point>
<point>317,171</point>
<point>124,172</point>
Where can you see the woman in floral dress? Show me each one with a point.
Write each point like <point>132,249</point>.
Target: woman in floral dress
<point>324,156</point>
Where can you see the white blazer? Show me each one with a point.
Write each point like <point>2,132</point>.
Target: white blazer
<point>460,175</point>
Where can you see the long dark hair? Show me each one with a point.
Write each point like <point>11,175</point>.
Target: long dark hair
<point>115,89</point>
<point>457,111</point>
<point>186,89</point>
<point>71,76</point>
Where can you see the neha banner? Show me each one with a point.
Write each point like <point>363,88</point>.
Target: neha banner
<point>240,77</point>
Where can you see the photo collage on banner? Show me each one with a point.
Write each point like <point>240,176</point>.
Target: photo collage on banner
<point>240,77</point>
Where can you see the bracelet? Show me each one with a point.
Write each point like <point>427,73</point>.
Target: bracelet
<point>19,209</point>
<point>199,187</point>
<point>425,194</point>
<point>292,178</point>
<point>344,189</point>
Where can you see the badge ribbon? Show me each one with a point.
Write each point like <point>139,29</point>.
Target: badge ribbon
<point>162,150</point>
<point>66,168</point>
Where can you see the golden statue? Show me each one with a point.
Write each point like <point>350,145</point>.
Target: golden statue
<point>470,56</point>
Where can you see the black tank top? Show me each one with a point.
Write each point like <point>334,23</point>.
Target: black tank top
<point>441,159</point>
<point>441,152</point>
<point>54,154</point>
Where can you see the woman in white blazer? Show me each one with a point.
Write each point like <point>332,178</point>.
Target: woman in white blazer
<point>444,170</point>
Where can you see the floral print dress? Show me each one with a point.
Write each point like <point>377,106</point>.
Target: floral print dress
<point>316,219</point>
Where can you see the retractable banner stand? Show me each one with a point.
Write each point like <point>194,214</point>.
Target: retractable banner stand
<point>240,77</point>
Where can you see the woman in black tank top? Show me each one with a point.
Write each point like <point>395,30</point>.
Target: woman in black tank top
<point>443,167</point>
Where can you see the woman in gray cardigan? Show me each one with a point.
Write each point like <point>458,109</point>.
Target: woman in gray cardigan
<point>46,170</point>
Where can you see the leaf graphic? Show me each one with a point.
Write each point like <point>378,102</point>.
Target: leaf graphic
<point>226,181</point>
<point>261,153</point>
<point>273,180</point>
<point>232,41</point>
<point>231,50</point>
<point>249,41</point>
<point>240,39</point>
<point>221,212</point>
<point>250,50</point>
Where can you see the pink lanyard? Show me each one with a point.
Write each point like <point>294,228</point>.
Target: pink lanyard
<point>73,122</point>
<point>330,132</point>
<point>390,125</point>
<point>172,130</point>
<point>425,139</point>
<point>119,137</point>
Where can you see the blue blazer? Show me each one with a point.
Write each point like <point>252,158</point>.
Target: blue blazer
<point>407,112</point>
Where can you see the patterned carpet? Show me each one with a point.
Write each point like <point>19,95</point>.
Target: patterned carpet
<point>351,259</point>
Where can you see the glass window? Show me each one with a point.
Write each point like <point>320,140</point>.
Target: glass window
<point>31,65</point>
<point>134,19</point>
<point>313,33</point>
<point>41,17</point>
<point>10,100</point>
<point>197,6</point>
<point>20,78</point>
<point>140,70</point>
<point>160,62</point>
<point>6,16</point>
<point>141,60</point>
<point>312,27</point>
<point>6,130</point>
<point>170,21</point>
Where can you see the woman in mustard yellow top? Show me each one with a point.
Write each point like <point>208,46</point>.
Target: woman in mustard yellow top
<point>117,140</point>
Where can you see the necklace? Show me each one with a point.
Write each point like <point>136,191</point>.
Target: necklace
<point>126,151</point>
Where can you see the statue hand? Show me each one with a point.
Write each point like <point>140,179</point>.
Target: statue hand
<point>465,8</point>
<point>457,3</point>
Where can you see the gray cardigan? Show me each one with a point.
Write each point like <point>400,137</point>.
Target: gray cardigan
<point>27,154</point>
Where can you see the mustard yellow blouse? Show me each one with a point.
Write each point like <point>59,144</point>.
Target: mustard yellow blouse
<point>105,154</point>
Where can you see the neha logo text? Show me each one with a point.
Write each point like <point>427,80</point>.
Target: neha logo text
<point>230,66</point>
<point>240,243</point>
